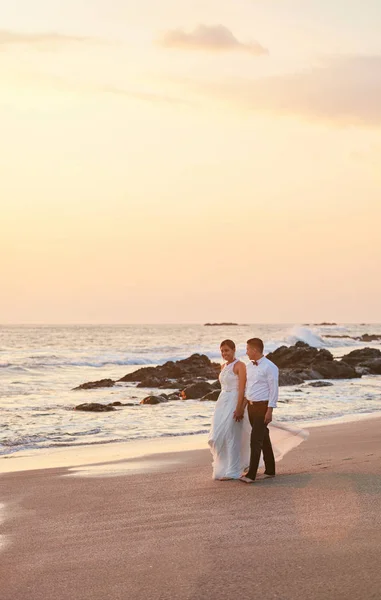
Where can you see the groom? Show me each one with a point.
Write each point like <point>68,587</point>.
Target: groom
<point>261,397</point>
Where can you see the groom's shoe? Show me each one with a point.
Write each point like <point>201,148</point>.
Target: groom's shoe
<point>268,476</point>
<point>246,479</point>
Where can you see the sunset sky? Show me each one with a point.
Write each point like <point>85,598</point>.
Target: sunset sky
<point>185,161</point>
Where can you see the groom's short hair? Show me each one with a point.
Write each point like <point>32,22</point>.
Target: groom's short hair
<point>256,343</point>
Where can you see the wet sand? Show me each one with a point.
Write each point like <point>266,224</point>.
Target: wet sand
<point>164,529</point>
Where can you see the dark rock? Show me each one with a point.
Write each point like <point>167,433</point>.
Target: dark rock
<point>196,366</point>
<point>216,385</point>
<point>374,337</point>
<point>287,377</point>
<point>336,370</point>
<point>197,390</point>
<point>171,385</point>
<point>171,375</point>
<point>296,364</point>
<point>154,382</point>
<point>182,383</point>
<point>362,370</point>
<point>318,384</point>
<point>123,404</point>
<point>308,363</point>
<point>308,374</point>
<point>91,385</point>
<point>369,367</point>
<point>174,396</point>
<point>365,361</point>
<point>359,357</point>
<point>154,400</point>
<point>95,407</point>
<point>212,396</point>
<point>221,325</point>
<point>324,324</point>
<point>373,366</point>
<point>299,356</point>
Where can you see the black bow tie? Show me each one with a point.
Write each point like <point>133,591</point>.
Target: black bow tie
<point>255,362</point>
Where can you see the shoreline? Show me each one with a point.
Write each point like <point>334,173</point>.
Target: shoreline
<point>170,531</point>
<point>134,455</point>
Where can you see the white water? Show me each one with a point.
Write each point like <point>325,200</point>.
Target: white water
<point>40,365</point>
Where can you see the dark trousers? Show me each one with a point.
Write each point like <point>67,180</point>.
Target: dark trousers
<point>260,440</point>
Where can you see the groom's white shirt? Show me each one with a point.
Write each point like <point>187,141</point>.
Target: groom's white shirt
<point>262,382</point>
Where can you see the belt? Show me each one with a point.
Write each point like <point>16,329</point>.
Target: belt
<point>256,402</point>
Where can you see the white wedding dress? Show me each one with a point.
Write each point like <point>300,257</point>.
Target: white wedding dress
<point>229,441</point>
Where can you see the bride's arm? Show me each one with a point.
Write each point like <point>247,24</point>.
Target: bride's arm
<point>241,402</point>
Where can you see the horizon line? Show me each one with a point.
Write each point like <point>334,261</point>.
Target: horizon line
<point>92,324</point>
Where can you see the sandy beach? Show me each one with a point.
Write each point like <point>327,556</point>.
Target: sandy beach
<point>160,528</point>
<point>190,238</point>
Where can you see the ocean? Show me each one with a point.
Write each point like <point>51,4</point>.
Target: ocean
<point>40,365</point>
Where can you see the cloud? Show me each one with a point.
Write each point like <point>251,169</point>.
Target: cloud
<point>9,38</point>
<point>342,90</point>
<point>44,83</point>
<point>138,95</point>
<point>215,38</point>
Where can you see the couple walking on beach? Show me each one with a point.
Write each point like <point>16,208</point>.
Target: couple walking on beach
<point>241,430</point>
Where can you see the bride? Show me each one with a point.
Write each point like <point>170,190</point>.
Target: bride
<point>229,440</point>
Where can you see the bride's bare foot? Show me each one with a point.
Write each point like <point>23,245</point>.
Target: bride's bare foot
<point>225,479</point>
